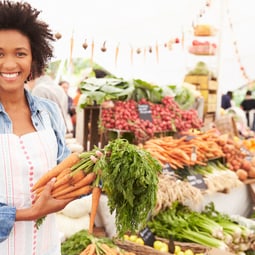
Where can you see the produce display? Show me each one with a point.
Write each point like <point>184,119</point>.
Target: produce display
<point>165,117</point>
<point>143,194</point>
<point>190,149</point>
<point>84,243</point>
<point>132,173</point>
<point>209,228</point>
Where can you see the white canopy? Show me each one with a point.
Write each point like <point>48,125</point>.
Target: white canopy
<point>141,24</point>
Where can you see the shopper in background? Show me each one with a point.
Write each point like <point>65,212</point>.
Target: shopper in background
<point>248,105</point>
<point>70,108</point>
<point>75,106</point>
<point>226,100</point>
<point>44,86</point>
<point>32,135</point>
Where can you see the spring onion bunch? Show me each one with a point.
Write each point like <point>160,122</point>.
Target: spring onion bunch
<point>209,228</point>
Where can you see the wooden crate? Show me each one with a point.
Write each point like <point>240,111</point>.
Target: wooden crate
<point>92,136</point>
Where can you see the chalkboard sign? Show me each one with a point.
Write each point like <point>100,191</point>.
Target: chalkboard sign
<point>144,112</point>
<point>167,169</point>
<point>197,181</point>
<point>147,236</point>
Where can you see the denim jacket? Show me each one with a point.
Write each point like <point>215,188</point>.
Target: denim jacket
<point>43,112</point>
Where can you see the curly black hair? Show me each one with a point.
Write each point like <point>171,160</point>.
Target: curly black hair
<point>23,17</point>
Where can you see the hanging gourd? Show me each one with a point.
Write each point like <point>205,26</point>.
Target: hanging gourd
<point>85,44</point>
<point>103,48</point>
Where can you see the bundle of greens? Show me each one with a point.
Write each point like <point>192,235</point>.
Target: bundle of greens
<point>130,180</point>
<point>209,228</point>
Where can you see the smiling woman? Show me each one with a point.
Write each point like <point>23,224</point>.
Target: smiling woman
<point>32,134</point>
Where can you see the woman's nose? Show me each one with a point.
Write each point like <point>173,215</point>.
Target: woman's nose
<point>9,62</point>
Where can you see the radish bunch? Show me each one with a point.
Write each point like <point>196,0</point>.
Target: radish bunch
<point>166,117</point>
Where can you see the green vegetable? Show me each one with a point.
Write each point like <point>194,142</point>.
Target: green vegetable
<point>75,244</point>
<point>130,179</point>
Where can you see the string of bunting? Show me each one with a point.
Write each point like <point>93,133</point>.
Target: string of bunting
<point>149,49</point>
<point>236,49</point>
<point>145,49</point>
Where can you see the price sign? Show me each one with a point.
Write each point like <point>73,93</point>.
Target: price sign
<point>197,181</point>
<point>147,236</point>
<point>167,169</point>
<point>145,112</point>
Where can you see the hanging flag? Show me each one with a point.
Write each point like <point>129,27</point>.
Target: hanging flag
<point>131,55</point>
<point>70,62</point>
<point>92,53</point>
<point>116,54</point>
<point>157,52</point>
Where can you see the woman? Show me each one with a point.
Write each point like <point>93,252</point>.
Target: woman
<point>31,135</point>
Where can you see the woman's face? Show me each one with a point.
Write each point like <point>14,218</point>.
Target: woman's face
<point>15,60</point>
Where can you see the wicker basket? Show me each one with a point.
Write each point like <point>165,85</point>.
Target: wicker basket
<point>147,250</point>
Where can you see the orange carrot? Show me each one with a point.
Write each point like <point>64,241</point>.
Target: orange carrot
<point>64,172</point>
<point>96,192</point>
<point>76,193</point>
<point>64,179</point>
<point>60,176</point>
<point>64,186</point>
<point>87,180</point>
<point>90,249</point>
<point>108,250</point>
<point>77,176</point>
<point>69,161</point>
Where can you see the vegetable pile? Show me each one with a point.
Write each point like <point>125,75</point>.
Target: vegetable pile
<point>125,172</point>
<point>209,228</point>
<point>167,116</point>
<point>84,243</point>
<point>178,152</point>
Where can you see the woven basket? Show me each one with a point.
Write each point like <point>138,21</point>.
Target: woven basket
<point>147,250</point>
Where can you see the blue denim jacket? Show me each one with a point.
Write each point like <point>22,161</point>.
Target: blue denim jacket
<point>43,112</point>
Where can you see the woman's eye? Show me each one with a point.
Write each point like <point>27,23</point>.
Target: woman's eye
<point>21,54</point>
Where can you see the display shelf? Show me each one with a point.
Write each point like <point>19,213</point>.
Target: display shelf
<point>202,48</point>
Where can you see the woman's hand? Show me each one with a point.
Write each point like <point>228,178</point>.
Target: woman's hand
<point>42,206</point>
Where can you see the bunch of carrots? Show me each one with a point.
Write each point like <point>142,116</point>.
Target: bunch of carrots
<point>75,176</point>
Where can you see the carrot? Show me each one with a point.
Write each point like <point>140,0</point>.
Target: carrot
<point>61,175</point>
<point>69,161</point>
<point>77,176</point>
<point>76,193</point>
<point>89,250</point>
<point>59,188</point>
<point>87,180</point>
<point>64,179</point>
<point>108,250</point>
<point>64,172</point>
<point>96,192</point>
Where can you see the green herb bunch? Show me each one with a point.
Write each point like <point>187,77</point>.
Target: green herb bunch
<point>130,179</point>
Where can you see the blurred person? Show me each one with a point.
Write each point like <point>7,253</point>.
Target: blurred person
<point>75,106</point>
<point>70,108</point>
<point>226,100</point>
<point>248,105</point>
<point>45,86</point>
<point>32,134</point>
